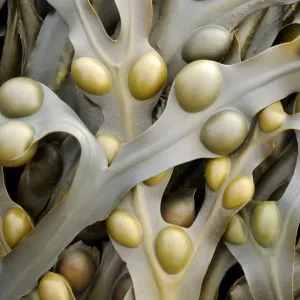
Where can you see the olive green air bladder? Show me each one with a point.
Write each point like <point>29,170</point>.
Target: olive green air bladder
<point>202,100</point>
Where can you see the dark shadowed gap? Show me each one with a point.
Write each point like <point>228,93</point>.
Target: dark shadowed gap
<point>199,199</point>
<point>43,8</point>
<point>231,276</point>
<point>184,194</point>
<point>3,20</point>
<point>12,175</point>
<point>109,15</point>
<point>12,178</point>
<point>161,104</point>
<point>188,175</point>
<point>93,235</point>
<point>288,103</point>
